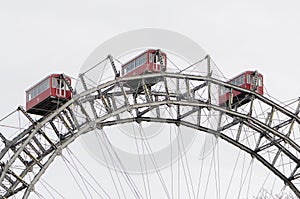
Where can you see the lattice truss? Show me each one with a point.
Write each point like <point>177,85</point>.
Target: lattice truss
<point>266,130</point>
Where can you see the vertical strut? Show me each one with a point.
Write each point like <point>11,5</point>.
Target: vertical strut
<point>113,100</point>
<point>91,102</point>
<point>178,92</point>
<point>124,94</point>
<point>157,108</point>
<point>104,101</point>
<point>117,73</point>
<point>209,73</point>
<point>219,124</point>
<point>230,98</point>
<point>270,117</point>
<point>239,131</point>
<point>199,117</point>
<point>251,106</point>
<point>135,102</point>
<point>166,88</point>
<point>73,117</point>
<point>82,109</point>
<point>147,91</point>
<point>69,120</point>
<point>188,89</point>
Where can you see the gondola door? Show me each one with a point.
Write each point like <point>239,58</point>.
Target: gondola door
<point>60,87</point>
<point>154,58</point>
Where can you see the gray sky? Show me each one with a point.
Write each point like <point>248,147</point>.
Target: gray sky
<point>38,37</point>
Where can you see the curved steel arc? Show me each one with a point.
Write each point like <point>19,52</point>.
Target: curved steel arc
<point>190,77</point>
<point>219,134</point>
<point>58,151</point>
<point>32,130</point>
<point>266,131</point>
<point>100,124</point>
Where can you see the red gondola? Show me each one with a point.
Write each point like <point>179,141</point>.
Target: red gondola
<point>245,80</point>
<point>146,62</point>
<point>47,95</point>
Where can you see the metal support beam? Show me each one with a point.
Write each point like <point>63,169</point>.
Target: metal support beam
<point>199,116</point>
<point>26,115</point>
<point>124,94</point>
<point>74,118</point>
<point>276,157</point>
<point>34,159</point>
<point>134,95</point>
<point>281,140</point>
<point>114,105</point>
<point>178,92</point>
<point>65,123</point>
<point>63,76</point>
<point>55,129</point>
<point>251,106</point>
<point>104,101</point>
<point>91,102</point>
<point>238,135</point>
<point>69,120</point>
<point>166,88</point>
<point>38,143</point>
<point>181,116</point>
<point>293,120</point>
<point>188,89</point>
<point>209,73</point>
<point>157,108</point>
<point>34,149</point>
<point>268,121</point>
<point>20,157</point>
<point>147,91</point>
<point>117,73</point>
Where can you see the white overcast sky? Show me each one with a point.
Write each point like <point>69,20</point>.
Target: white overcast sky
<point>42,37</point>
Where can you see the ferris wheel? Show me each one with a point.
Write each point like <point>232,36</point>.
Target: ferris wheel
<point>149,124</point>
